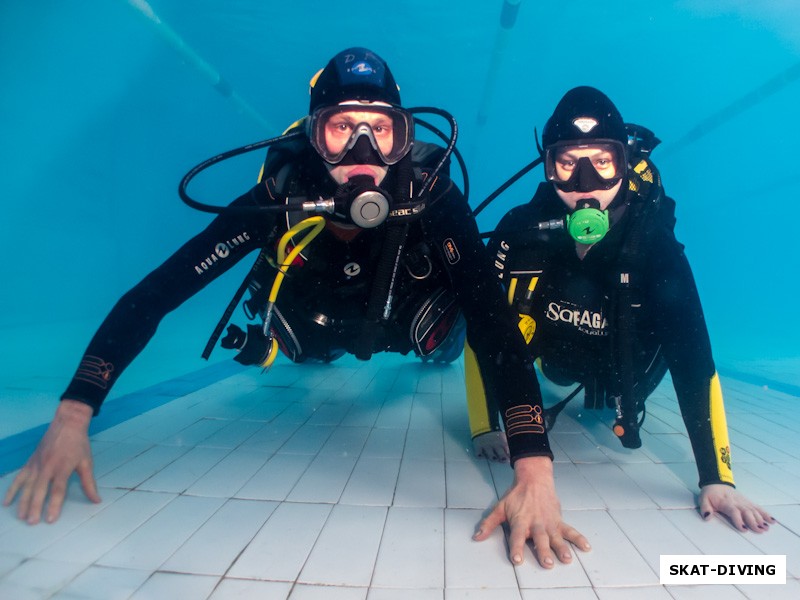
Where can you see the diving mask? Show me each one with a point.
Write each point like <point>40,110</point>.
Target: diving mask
<point>335,130</point>
<point>598,165</point>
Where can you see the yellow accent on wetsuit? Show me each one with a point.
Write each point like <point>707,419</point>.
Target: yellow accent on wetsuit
<point>477,410</point>
<point>719,431</point>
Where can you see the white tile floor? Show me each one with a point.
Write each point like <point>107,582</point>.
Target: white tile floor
<point>355,481</point>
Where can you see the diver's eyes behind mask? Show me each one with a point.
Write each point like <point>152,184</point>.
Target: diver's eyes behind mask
<point>335,130</point>
<point>585,167</point>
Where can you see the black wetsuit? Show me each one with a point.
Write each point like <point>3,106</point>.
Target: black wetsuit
<point>328,284</point>
<point>564,306</point>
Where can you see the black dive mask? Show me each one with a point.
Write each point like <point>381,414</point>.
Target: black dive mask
<point>585,178</point>
<point>335,131</point>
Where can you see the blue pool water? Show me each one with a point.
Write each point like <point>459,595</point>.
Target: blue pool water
<point>101,115</point>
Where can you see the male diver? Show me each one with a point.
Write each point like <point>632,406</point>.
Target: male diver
<point>605,295</point>
<point>396,236</point>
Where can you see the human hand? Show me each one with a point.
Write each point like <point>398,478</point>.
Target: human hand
<point>492,445</point>
<point>533,512</point>
<point>63,449</point>
<point>739,510</point>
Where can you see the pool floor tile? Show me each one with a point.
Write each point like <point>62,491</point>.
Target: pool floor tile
<point>357,481</point>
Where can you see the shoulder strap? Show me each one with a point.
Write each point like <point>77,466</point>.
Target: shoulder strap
<point>651,209</point>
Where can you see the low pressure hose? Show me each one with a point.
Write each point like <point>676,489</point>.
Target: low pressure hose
<point>316,224</point>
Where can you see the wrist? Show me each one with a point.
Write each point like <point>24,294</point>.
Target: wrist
<point>75,413</point>
<point>532,467</point>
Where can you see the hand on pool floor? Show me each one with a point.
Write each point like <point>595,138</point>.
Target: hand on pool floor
<point>737,508</point>
<point>533,512</point>
<point>64,449</point>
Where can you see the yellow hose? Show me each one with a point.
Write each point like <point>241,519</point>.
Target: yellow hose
<point>316,224</point>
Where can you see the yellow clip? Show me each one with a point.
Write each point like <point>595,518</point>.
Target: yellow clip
<point>527,326</point>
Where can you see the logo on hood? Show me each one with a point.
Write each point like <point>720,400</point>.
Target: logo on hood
<point>362,68</point>
<point>585,124</point>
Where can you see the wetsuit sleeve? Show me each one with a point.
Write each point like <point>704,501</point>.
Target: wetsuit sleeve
<point>482,409</point>
<point>134,319</point>
<point>681,328</point>
<point>507,374</point>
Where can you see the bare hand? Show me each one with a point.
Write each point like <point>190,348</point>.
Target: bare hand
<point>492,445</point>
<point>63,449</point>
<point>740,511</point>
<point>533,512</point>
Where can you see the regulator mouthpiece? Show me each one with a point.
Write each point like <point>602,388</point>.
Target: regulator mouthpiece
<point>588,224</point>
<point>362,202</point>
